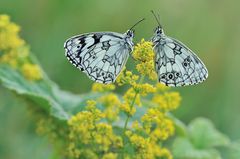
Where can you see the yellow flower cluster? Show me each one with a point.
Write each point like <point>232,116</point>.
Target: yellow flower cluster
<point>126,77</point>
<point>111,105</point>
<point>98,87</point>
<point>144,89</point>
<point>95,136</point>
<point>9,38</point>
<point>31,71</point>
<point>143,52</point>
<point>167,101</point>
<point>147,149</point>
<point>13,50</point>
<point>157,125</point>
<point>130,98</point>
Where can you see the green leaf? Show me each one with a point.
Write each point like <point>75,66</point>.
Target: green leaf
<point>232,151</point>
<point>184,149</point>
<point>203,134</point>
<point>181,128</point>
<point>44,93</point>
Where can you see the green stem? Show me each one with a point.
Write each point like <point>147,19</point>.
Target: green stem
<point>128,115</point>
<point>132,104</point>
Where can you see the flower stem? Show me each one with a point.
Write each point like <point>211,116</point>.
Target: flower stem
<point>132,105</point>
<point>128,115</point>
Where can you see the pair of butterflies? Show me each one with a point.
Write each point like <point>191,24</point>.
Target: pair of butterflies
<point>102,56</point>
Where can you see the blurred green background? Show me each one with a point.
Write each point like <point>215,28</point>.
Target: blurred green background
<point>210,28</point>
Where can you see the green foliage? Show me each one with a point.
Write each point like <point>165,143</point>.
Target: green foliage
<point>201,141</point>
<point>44,93</point>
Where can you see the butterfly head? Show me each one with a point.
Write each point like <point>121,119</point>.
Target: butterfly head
<point>159,31</point>
<point>130,33</point>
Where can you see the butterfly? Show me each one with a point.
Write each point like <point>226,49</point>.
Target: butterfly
<point>100,55</point>
<point>175,63</point>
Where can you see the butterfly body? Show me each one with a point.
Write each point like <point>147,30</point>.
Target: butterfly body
<point>175,63</point>
<point>101,55</point>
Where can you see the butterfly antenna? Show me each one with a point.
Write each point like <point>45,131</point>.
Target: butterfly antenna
<point>137,23</point>
<point>157,18</point>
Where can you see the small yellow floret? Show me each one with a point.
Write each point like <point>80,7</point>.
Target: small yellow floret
<point>31,71</point>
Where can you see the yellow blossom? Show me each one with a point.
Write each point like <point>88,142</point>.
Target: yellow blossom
<point>125,107</point>
<point>144,89</point>
<point>93,132</point>
<point>144,53</point>
<point>127,77</point>
<point>167,101</point>
<point>111,104</point>
<point>161,87</point>
<point>137,126</point>
<point>165,153</point>
<point>10,58</point>
<point>157,125</point>
<point>110,156</point>
<point>31,71</point>
<point>9,34</point>
<point>147,68</point>
<point>145,148</point>
<point>110,100</point>
<point>131,95</point>
<point>98,87</point>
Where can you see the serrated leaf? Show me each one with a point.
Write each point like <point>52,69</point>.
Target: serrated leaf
<point>203,134</point>
<point>44,93</point>
<point>183,149</point>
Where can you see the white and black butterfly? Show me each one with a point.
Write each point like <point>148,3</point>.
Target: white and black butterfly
<point>175,63</point>
<point>101,55</point>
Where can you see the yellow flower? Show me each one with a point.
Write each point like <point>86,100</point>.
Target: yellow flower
<point>165,153</point>
<point>144,89</point>
<point>131,95</point>
<point>111,104</point>
<point>167,101</point>
<point>147,68</point>
<point>86,129</point>
<point>161,87</point>
<point>125,107</point>
<point>10,58</point>
<point>4,20</point>
<point>157,125</point>
<point>98,87</point>
<point>9,38</point>
<point>31,71</point>
<point>145,148</point>
<point>126,77</point>
<point>143,52</point>
<point>110,156</point>
<point>110,100</point>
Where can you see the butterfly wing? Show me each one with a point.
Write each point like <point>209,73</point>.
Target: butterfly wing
<point>176,64</point>
<point>100,55</point>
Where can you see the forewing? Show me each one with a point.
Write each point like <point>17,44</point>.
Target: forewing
<point>100,55</point>
<point>177,65</point>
